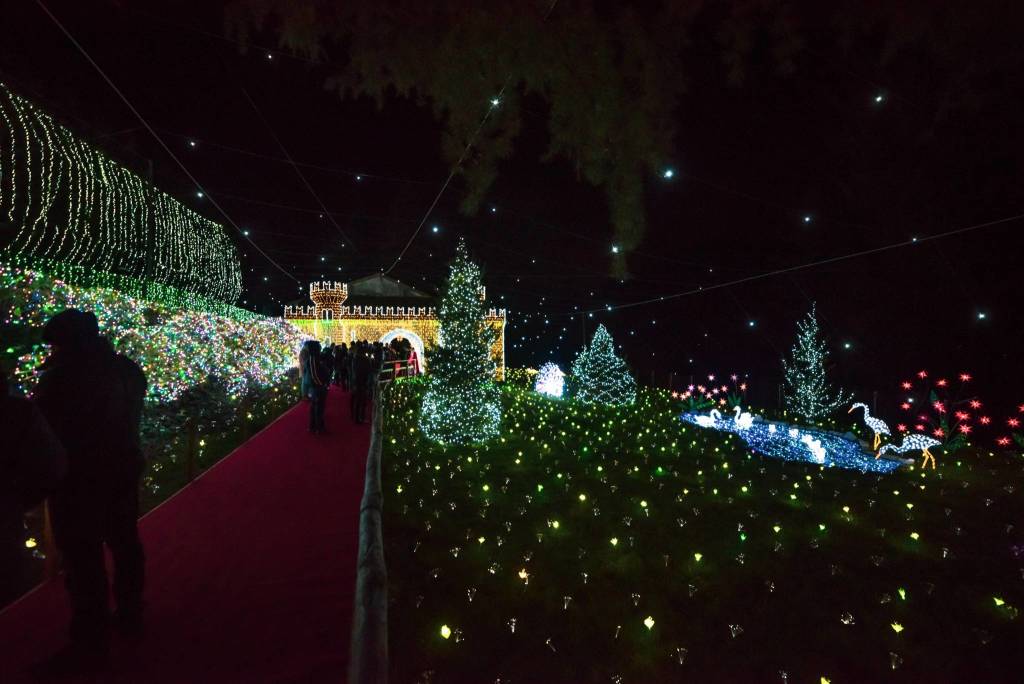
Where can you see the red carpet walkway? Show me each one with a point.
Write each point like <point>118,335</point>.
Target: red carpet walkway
<point>251,569</point>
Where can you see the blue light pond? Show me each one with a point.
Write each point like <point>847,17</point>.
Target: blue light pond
<point>780,440</point>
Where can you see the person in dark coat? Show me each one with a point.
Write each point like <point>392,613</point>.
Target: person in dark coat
<point>361,384</point>
<point>341,366</point>
<point>92,398</point>
<point>319,374</point>
<point>32,464</point>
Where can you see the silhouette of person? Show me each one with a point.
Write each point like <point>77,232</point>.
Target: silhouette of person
<point>32,463</point>
<point>318,373</point>
<point>92,398</point>
<point>362,375</point>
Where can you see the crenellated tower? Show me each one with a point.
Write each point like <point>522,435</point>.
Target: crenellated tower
<point>328,297</point>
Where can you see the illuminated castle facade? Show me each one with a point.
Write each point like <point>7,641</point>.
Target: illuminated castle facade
<point>380,308</point>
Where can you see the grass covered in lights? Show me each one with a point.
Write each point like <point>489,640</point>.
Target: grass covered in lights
<point>624,543</point>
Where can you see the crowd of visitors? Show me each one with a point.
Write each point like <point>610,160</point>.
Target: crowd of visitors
<point>354,369</point>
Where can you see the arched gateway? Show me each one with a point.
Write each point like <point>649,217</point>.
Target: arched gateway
<point>378,307</point>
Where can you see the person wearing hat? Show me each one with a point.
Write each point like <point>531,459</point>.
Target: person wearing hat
<point>92,398</point>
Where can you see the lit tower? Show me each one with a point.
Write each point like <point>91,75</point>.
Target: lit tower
<point>328,298</point>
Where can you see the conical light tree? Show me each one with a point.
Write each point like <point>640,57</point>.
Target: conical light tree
<point>462,404</point>
<point>806,391</point>
<point>600,375</point>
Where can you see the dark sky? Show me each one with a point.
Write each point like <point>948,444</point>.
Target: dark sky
<point>941,151</point>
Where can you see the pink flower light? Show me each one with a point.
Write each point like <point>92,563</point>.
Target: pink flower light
<point>922,374</point>
<point>919,427</point>
<point>901,427</point>
<point>906,385</point>
<point>942,383</point>
<point>905,406</point>
<point>961,415</point>
<point>939,406</point>
<point>939,432</point>
<point>1013,422</point>
<point>1003,441</point>
<point>984,420</point>
<point>975,404</point>
<point>965,377</point>
<point>966,429</point>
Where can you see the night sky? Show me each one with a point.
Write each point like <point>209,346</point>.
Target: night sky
<point>843,151</point>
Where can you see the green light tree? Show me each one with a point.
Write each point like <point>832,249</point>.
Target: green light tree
<point>462,404</point>
<point>600,375</point>
<point>806,391</point>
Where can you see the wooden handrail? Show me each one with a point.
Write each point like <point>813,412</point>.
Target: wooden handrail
<point>368,647</point>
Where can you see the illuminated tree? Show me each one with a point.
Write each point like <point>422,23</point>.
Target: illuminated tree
<point>600,375</point>
<point>462,403</point>
<point>806,390</point>
<point>550,380</point>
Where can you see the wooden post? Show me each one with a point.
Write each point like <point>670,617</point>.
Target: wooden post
<point>50,565</point>
<point>191,447</point>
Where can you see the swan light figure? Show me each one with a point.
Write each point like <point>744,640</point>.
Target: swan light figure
<point>877,425</point>
<point>814,445</point>
<point>708,420</point>
<point>742,420</point>
<point>913,443</point>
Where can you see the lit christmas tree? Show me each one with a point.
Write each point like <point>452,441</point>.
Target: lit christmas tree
<point>806,391</point>
<point>600,375</point>
<point>462,404</point>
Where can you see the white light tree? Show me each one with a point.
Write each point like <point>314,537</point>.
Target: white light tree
<point>600,375</point>
<point>806,390</point>
<point>550,380</point>
<point>462,405</point>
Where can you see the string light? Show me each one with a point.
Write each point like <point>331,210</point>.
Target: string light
<point>70,206</point>
<point>601,375</point>
<point>806,390</point>
<point>461,405</point>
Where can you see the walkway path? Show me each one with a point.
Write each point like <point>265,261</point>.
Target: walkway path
<point>251,568</point>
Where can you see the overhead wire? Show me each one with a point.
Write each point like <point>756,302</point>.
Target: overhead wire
<point>801,267</point>
<point>462,157</point>
<point>156,136</point>
<point>297,170</point>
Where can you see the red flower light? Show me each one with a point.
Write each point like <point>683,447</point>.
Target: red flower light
<point>901,427</point>
<point>1003,441</point>
<point>939,432</point>
<point>919,427</point>
<point>984,420</point>
<point>975,404</point>
<point>965,377</point>
<point>922,374</point>
<point>966,429</point>
<point>905,406</point>
<point>923,418</point>
<point>906,385</point>
<point>1013,422</point>
<point>939,406</point>
<point>960,415</point>
<point>1020,409</point>
<point>942,383</point>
